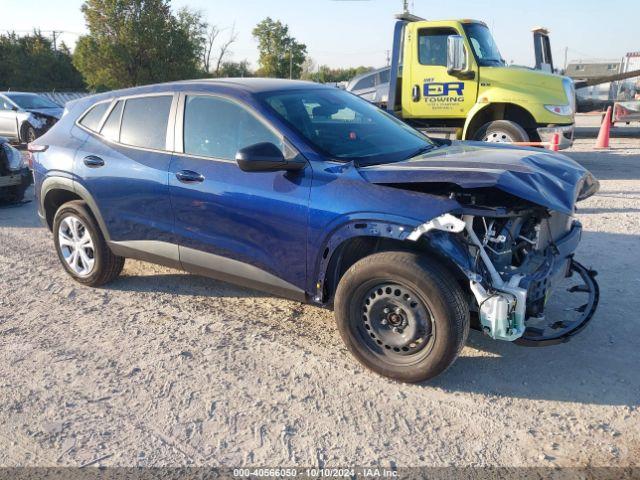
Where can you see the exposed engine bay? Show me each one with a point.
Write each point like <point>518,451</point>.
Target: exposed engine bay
<point>517,257</point>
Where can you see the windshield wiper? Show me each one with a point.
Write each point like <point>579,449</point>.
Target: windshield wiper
<point>420,151</point>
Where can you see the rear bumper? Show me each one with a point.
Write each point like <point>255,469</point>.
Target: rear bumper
<point>566,133</point>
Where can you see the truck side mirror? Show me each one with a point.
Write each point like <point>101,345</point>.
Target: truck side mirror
<point>456,55</point>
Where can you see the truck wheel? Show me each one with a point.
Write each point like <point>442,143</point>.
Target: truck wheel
<point>401,315</point>
<point>501,131</point>
<point>81,247</point>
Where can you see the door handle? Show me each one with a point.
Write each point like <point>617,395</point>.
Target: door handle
<point>189,176</point>
<point>415,93</point>
<point>93,162</point>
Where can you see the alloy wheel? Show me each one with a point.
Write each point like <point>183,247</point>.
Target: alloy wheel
<point>76,245</point>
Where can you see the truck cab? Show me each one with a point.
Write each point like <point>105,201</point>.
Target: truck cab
<point>449,74</point>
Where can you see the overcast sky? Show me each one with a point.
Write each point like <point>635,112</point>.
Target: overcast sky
<point>358,32</point>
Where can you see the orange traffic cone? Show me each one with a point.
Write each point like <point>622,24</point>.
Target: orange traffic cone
<point>605,129</point>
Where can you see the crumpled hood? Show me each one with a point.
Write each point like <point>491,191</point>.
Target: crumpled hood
<point>548,179</point>
<point>50,112</point>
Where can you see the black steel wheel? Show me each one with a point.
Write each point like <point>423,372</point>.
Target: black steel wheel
<point>396,322</point>
<point>402,315</point>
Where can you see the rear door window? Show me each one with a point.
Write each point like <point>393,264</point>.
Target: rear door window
<point>145,120</point>
<point>91,119</point>
<point>111,127</point>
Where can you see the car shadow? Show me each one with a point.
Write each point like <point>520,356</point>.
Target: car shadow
<point>598,366</point>
<point>181,284</point>
<point>23,214</point>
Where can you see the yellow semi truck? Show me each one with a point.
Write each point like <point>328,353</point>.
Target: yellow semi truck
<point>448,75</point>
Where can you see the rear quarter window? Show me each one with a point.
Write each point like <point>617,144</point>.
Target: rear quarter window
<point>111,127</point>
<point>91,119</point>
<point>145,120</point>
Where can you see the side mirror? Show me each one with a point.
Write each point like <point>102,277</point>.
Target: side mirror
<point>264,157</point>
<point>456,55</point>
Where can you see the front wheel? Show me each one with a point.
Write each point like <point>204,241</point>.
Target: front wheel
<point>501,131</point>
<point>402,315</point>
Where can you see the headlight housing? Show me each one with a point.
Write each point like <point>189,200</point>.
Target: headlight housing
<point>563,110</point>
<point>570,91</point>
<point>14,157</point>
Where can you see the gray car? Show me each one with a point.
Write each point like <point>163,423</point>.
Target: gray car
<point>26,116</point>
<point>373,86</point>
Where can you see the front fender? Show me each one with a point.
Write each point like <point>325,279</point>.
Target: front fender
<point>447,246</point>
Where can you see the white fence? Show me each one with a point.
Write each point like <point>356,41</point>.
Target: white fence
<point>61,98</point>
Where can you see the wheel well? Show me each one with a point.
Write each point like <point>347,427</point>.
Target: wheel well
<point>54,200</point>
<point>503,111</point>
<point>354,249</point>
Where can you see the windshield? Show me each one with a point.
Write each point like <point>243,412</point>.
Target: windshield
<point>345,127</point>
<point>30,101</point>
<point>484,46</point>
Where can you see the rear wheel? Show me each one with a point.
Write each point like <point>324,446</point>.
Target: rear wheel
<point>401,315</point>
<point>501,131</point>
<point>81,247</point>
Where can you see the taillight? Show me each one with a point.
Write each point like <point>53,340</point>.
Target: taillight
<point>33,148</point>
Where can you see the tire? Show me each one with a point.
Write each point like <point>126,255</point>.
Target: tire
<point>418,341</point>
<point>98,265</point>
<point>27,133</point>
<point>501,131</point>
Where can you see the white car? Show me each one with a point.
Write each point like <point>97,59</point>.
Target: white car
<point>25,116</point>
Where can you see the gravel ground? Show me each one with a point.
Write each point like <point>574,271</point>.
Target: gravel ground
<point>165,368</point>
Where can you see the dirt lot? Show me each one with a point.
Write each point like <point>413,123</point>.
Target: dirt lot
<point>164,368</point>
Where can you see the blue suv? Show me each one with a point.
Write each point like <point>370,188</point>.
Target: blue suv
<point>309,192</point>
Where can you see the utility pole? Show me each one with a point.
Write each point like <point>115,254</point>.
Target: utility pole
<point>566,49</point>
<point>290,62</point>
<point>388,58</point>
<point>54,34</point>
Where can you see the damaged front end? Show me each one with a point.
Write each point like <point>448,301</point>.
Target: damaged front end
<point>513,236</point>
<point>516,259</point>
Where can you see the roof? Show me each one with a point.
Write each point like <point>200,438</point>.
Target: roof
<point>252,84</point>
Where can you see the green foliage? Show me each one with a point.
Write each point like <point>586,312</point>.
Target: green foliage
<point>280,53</point>
<point>326,74</point>
<point>30,63</point>
<point>235,69</point>
<point>136,42</point>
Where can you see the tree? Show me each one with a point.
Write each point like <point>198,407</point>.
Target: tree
<point>280,55</point>
<point>235,69</point>
<point>136,42</point>
<point>326,74</point>
<point>29,62</point>
<point>223,50</point>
